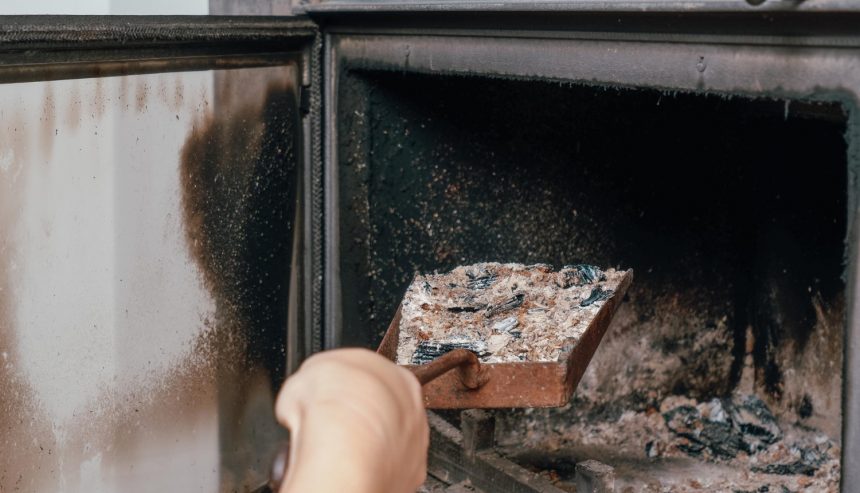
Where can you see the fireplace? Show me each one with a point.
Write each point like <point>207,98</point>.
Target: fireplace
<point>729,195</point>
<point>711,147</point>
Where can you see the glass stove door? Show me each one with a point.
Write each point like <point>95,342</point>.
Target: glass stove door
<point>153,264</point>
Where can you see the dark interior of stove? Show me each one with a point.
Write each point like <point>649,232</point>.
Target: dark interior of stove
<point>730,210</point>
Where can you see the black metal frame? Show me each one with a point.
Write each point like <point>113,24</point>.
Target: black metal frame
<point>792,54</point>
<point>672,6</point>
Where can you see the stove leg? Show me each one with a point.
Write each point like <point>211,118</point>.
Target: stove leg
<point>479,431</point>
<point>594,477</point>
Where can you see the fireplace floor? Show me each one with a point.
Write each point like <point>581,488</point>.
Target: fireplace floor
<point>648,455</point>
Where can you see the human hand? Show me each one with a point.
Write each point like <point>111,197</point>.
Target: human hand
<point>357,423</point>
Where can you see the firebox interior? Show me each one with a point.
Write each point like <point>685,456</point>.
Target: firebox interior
<point>730,209</point>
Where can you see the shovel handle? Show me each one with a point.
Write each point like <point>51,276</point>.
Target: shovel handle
<point>465,361</point>
<point>469,371</point>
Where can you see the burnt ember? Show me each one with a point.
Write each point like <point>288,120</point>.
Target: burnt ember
<point>740,424</point>
<point>796,467</point>
<point>465,309</point>
<point>509,304</point>
<point>480,282</point>
<point>427,351</point>
<point>581,274</point>
<point>597,294</point>
<point>699,434</point>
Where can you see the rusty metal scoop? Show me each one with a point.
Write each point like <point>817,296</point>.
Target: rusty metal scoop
<point>497,385</point>
<point>508,385</point>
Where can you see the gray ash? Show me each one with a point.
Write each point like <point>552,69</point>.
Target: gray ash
<point>511,312</point>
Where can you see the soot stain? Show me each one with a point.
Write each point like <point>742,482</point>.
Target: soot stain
<point>75,109</point>
<point>141,95</point>
<point>48,121</point>
<point>238,181</point>
<point>24,427</point>
<point>163,95</point>
<point>178,93</point>
<point>117,424</point>
<point>122,91</point>
<point>99,101</point>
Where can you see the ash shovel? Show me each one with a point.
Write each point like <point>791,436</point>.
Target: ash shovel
<point>496,385</point>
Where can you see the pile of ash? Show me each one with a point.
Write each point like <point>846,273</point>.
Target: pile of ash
<point>733,444</point>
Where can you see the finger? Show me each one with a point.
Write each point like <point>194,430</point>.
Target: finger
<point>414,388</point>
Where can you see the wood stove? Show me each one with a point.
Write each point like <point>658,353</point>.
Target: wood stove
<point>712,147</point>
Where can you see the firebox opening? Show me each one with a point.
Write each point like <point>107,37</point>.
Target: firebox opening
<point>731,211</point>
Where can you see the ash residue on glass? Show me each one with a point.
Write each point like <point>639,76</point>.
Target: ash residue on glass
<point>240,179</point>
<point>24,428</point>
<point>121,361</point>
<point>239,204</point>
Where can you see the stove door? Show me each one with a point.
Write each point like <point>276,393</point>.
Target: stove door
<point>155,270</point>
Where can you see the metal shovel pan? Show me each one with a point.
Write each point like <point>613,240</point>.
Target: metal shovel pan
<point>507,385</point>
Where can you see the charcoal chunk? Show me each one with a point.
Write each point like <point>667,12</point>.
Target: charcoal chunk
<point>701,433</point>
<point>580,275</point>
<point>749,427</point>
<point>718,437</point>
<point>513,302</point>
<point>794,468</point>
<point>804,410</point>
<point>465,309</point>
<point>761,489</point>
<point>683,420</point>
<point>480,281</point>
<point>721,439</point>
<point>751,417</point>
<point>809,462</point>
<point>466,304</point>
<point>597,294</point>
<point>692,448</point>
<point>427,351</point>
